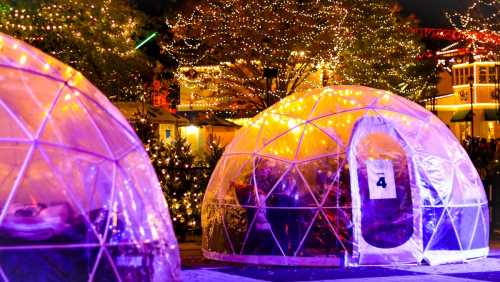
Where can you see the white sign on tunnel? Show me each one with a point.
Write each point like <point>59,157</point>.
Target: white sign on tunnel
<point>381,179</point>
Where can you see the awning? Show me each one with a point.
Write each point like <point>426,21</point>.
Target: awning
<point>491,115</point>
<point>461,116</point>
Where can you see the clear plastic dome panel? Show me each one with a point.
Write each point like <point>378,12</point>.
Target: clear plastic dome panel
<point>79,199</point>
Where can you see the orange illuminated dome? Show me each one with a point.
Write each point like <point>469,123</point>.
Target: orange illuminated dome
<point>345,175</point>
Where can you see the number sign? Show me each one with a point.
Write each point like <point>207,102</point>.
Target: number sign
<point>381,179</point>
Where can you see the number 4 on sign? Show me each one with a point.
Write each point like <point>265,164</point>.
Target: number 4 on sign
<point>381,179</point>
<point>381,182</point>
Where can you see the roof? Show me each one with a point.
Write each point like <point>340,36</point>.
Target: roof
<point>158,115</point>
<point>214,121</point>
<point>204,119</point>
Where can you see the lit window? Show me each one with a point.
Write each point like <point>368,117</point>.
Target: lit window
<point>482,74</point>
<point>492,75</point>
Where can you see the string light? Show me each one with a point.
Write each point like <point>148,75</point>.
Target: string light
<point>481,15</point>
<point>93,37</point>
<point>223,48</point>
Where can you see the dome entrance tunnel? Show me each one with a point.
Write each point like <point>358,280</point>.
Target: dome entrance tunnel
<point>345,175</point>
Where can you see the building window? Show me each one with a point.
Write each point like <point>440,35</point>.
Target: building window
<point>492,75</point>
<point>168,134</point>
<point>466,74</point>
<point>462,81</point>
<point>159,100</point>
<point>483,74</point>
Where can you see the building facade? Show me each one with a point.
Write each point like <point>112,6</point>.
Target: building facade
<point>167,125</point>
<point>199,89</point>
<point>468,93</point>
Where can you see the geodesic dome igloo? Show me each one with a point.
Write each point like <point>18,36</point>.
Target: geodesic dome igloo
<point>79,199</point>
<point>345,175</point>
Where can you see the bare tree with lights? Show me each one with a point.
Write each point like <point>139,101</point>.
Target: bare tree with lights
<point>480,22</point>
<point>264,50</point>
<point>480,15</point>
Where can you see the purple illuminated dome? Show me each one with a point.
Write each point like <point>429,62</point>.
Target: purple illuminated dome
<point>345,175</point>
<point>79,199</point>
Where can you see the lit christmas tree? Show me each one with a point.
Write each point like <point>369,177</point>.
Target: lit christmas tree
<point>180,181</point>
<point>261,51</point>
<point>95,37</point>
<point>183,178</point>
<point>214,152</point>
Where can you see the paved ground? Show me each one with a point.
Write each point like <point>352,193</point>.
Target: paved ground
<point>197,269</point>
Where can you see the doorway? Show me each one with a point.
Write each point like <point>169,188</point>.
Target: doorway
<point>386,208</point>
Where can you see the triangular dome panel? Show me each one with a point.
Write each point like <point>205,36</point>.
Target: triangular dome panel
<point>296,107</point>
<point>284,146</point>
<point>11,127</point>
<point>465,220</point>
<point>106,269</point>
<point>247,138</point>
<point>274,127</point>
<point>242,189</point>
<point>314,244</point>
<point>339,195</point>
<point>479,238</point>
<point>15,156</point>
<point>431,216</point>
<point>322,175</point>
<point>315,143</point>
<point>216,238</point>
<point>121,141</point>
<point>71,125</point>
<point>260,239</point>
<point>236,224</point>
<point>291,191</point>
<point>445,236</point>
<point>52,208</point>
<point>38,94</point>
<point>335,101</point>
<point>290,227</point>
<point>241,169</point>
<point>267,173</point>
